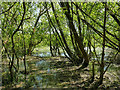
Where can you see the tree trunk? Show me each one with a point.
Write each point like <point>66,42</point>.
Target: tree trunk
<point>24,51</point>
<point>93,71</point>
<point>72,27</point>
<point>71,55</point>
<point>103,53</point>
<point>51,45</point>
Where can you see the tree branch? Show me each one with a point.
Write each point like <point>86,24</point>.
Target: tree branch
<point>21,20</point>
<point>8,8</point>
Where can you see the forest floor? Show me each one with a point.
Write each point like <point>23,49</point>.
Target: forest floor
<point>57,72</point>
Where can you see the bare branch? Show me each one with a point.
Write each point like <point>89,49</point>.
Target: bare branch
<point>8,8</point>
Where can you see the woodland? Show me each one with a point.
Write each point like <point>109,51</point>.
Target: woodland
<point>60,45</point>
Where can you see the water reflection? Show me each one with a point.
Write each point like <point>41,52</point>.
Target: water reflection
<point>45,54</point>
<point>47,78</point>
<point>39,79</point>
<point>41,62</point>
<point>47,73</point>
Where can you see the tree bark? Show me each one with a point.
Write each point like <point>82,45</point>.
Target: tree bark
<point>103,52</point>
<point>72,27</point>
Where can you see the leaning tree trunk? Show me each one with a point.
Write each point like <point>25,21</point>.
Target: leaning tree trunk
<point>65,7</point>
<point>51,45</point>
<point>72,56</point>
<point>102,61</point>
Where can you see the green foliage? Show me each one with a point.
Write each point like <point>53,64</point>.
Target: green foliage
<point>31,32</point>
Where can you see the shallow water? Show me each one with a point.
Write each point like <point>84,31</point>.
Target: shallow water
<point>45,54</point>
<point>50,73</point>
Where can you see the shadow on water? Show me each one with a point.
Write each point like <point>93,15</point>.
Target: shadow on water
<point>51,72</point>
<point>40,75</point>
<point>46,77</point>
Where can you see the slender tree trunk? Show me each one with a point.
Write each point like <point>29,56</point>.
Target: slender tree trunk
<point>12,62</point>
<point>93,71</point>
<point>24,51</point>
<point>56,49</point>
<point>30,48</point>
<point>119,38</point>
<point>71,55</point>
<point>72,27</point>
<point>31,43</point>
<point>51,45</point>
<point>103,53</point>
<point>59,52</point>
<point>56,34</point>
<point>79,60</point>
<point>62,40</point>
